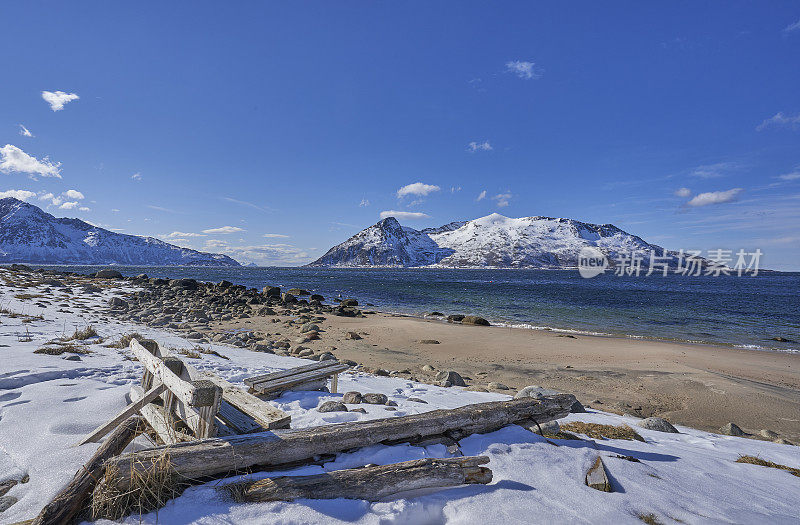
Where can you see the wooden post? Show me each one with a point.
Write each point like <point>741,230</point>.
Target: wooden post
<point>71,499</point>
<point>368,483</point>
<point>334,383</point>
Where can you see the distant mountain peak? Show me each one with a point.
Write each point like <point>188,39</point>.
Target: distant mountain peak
<point>29,234</point>
<point>493,241</point>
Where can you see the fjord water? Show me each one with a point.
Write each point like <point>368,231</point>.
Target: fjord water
<point>737,311</point>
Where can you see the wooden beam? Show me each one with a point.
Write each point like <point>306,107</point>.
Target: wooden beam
<point>262,415</point>
<point>216,457</point>
<point>185,391</point>
<point>158,420</point>
<point>72,499</point>
<point>128,411</point>
<point>285,383</point>
<point>320,365</point>
<point>373,483</point>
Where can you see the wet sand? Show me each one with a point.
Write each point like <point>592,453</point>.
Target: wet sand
<point>699,386</point>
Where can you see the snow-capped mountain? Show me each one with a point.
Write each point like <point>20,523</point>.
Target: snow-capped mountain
<point>493,241</point>
<point>31,235</point>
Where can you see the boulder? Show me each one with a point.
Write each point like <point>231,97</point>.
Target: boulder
<point>332,406</point>
<point>108,274</point>
<point>455,318</point>
<point>288,298</point>
<point>317,297</point>
<point>497,386</point>
<point>375,399</point>
<point>658,424</point>
<point>309,327</point>
<point>352,398</point>
<point>349,302</point>
<point>352,335</point>
<point>118,302</point>
<point>475,320</point>
<point>298,291</point>
<point>450,376</point>
<point>732,429</point>
<point>769,434</point>
<point>272,291</point>
<point>576,408</point>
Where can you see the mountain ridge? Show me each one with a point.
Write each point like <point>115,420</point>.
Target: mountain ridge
<point>493,241</point>
<point>29,234</point>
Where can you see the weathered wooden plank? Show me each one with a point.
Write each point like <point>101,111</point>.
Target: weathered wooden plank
<point>597,477</point>
<point>285,383</point>
<point>183,390</point>
<point>158,420</point>
<point>373,483</point>
<point>214,457</point>
<point>320,365</point>
<point>262,415</point>
<point>128,411</point>
<point>72,499</point>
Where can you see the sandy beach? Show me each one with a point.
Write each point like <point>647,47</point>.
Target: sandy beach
<point>699,386</point>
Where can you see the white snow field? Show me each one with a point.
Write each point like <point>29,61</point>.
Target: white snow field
<point>48,403</point>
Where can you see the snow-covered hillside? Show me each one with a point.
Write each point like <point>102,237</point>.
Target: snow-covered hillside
<point>494,241</point>
<point>31,235</point>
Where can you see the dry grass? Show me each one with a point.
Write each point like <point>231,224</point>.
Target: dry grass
<point>151,487</point>
<point>84,334</point>
<point>650,519</point>
<point>753,460</point>
<point>597,431</point>
<point>125,340</point>
<point>58,348</point>
<point>25,296</point>
<point>191,354</point>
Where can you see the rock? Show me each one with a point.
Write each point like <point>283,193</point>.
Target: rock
<point>658,424</point>
<point>390,408</point>
<point>349,302</point>
<point>260,347</point>
<point>326,356</point>
<point>72,357</point>
<point>769,434</point>
<point>332,406</point>
<point>475,320</point>
<point>375,399</point>
<point>6,502</point>
<point>54,282</point>
<point>435,314</point>
<point>298,292</point>
<point>20,268</point>
<point>450,376</point>
<point>309,327</point>
<point>194,335</point>
<point>184,284</point>
<point>352,398</point>
<point>732,429</point>
<point>108,274</point>
<point>497,386</point>
<point>535,392</point>
<point>417,400</point>
<point>316,297</point>
<point>391,403</point>
<point>429,342</point>
<point>272,291</point>
<point>781,441</point>
<point>428,368</point>
<point>549,428</point>
<point>352,335</point>
<point>141,277</point>
<point>288,298</point>
<point>360,410</point>
<point>118,302</point>
<point>783,340</point>
<point>455,318</point>
<point>576,408</point>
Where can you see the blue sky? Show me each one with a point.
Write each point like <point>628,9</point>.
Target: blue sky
<point>271,131</point>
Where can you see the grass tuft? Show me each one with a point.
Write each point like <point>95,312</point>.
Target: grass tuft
<point>753,460</point>
<point>650,519</point>
<point>598,431</point>
<point>125,340</point>
<point>84,334</point>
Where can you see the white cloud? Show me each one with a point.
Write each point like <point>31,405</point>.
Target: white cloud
<point>160,208</point>
<point>407,215</point>
<point>276,236</point>
<point>683,192</point>
<point>25,132</point>
<point>224,229</point>
<point>46,196</point>
<point>710,171</point>
<point>248,204</point>
<point>790,176</point>
<point>84,208</point>
<point>455,189</point>
<point>502,199</point>
<point>792,27</point>
<point>114,210</point>
<point>73,194</point>
<point>68,205</point>
<point>481,196</point>
<point>22,195</point>
<point>13,159</point>
<point>268,254</point>
<point>474,146</point>
<point>136,176</point>
<point>57,99</point>
<point>417,188</point>
<point>363,204</point>
<point>215,243</point>
<point>522,69</point>
<point>779,120</point>
<point>714,197</point>
<point>177,235</point>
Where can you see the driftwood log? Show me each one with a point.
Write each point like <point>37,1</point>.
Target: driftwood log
<point>66,505</point>
<point>368,483</point>
<point>226,456</point>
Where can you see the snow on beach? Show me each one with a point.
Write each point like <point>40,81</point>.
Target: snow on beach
<point>47,403</point>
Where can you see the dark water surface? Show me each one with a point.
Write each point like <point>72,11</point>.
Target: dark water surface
<point>738,311</point>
